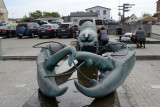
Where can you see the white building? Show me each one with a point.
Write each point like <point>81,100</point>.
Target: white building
<point>102,12</point>
<point>131,18</point>
<point>3,11</point>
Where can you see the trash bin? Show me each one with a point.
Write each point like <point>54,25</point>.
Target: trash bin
<point>118,31</point>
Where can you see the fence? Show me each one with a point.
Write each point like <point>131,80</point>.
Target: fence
<point>128,28</point>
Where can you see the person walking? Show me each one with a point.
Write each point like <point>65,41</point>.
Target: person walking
<point>140,38</point>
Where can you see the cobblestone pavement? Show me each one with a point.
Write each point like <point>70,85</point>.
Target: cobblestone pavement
<point>17,82</point>
<point>143,84</point>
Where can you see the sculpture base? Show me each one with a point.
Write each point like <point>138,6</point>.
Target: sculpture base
<point>71,98</point>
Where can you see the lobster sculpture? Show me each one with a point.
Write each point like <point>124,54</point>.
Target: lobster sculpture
<point>113,68</point>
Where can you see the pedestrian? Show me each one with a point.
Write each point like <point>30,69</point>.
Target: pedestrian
<point>103,36</point>
<point>140,38</point>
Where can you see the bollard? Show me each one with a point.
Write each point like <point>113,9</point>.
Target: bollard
<point>0,47</point>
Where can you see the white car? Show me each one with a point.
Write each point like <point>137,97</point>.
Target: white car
<point>4,23</point>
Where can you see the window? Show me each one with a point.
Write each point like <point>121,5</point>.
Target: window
<point>91,11</point>
<point>99,22</point>
<point>98,12</point>
<point>82,21</point>
<point>104,12</point>
<point>75,20</point>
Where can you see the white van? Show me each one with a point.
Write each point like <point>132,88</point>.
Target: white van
<point>98,22</point>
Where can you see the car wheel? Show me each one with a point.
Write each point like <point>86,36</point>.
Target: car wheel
<point>32,35</point>
<point>9,35</point>
<point>55,35</point>
<point>40,36</point>
<point>20,37</point>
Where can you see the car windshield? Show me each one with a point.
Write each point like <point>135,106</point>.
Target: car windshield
<point>99,22</point>
<point>22,25</point>
<point>64,25</point>
<point>82,21</point>
<point>3,27</point>
<point>45,27</point>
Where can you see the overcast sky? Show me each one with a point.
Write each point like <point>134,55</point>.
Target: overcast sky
<point>18,8</point>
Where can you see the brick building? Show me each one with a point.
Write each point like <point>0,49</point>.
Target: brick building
<point>158,11</point>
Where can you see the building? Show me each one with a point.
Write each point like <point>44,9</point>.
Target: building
<point>77,16</point>
<point>102,12</point>
<point>66,18</point>
<point>3,11</point>
<point>130,19</point>
<point>14,22</point>
<point>158,11</point>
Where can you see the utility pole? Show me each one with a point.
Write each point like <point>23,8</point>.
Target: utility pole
<point>125,8</point>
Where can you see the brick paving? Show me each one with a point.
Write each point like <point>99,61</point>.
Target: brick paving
<point>138,84</point>
<point>12,74</point>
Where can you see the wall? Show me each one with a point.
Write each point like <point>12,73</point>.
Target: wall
<point>155,32</point>
<point>128,28</point>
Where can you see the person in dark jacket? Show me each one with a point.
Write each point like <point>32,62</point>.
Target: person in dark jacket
<point>103,36</point>
<point>140,38</point>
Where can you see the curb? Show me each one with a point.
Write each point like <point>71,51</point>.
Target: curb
<point>122,97</point>
<point>18,57</point>
<point>145,57</point>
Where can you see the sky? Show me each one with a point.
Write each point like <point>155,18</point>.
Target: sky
<point>20,8</point>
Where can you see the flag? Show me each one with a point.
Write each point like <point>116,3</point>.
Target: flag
<point>119,14</point>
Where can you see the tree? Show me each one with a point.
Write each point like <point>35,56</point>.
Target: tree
<point>155,15</point>
<point>26,19</point>
<point>146,14</point>
<point>52,14</point>
<point>35,15</point>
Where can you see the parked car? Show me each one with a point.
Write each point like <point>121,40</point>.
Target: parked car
<point>56,22</point>
<point>7,31</point>
<point>40,22</point>
<point>66,29</point>
<point>4,23</point>
<point>111,22</point>
<point>27,29</point>
<point>48,30</point>
<point>97,22</point>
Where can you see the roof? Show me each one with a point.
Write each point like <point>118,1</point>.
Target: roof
<point>83,14</point>
<point>98,6</point>
<point>147,18</point>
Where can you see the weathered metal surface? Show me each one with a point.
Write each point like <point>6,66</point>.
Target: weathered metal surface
<point>113,68</point>
<point>87,39</point>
